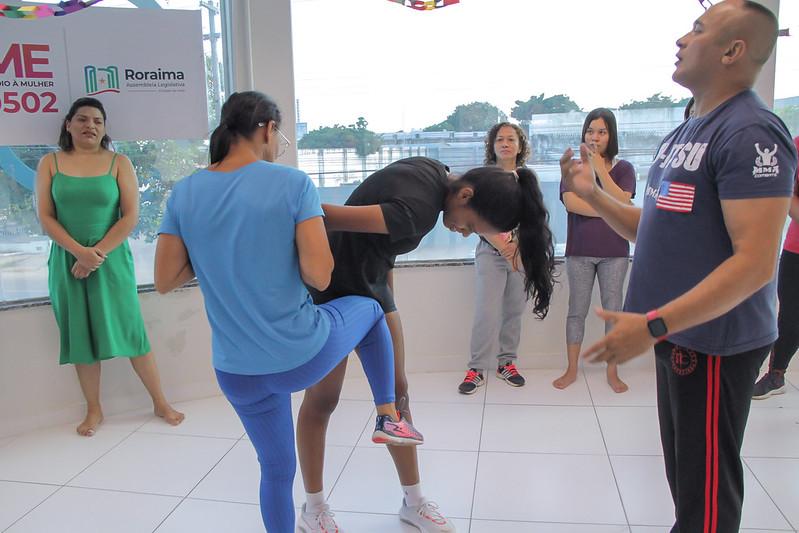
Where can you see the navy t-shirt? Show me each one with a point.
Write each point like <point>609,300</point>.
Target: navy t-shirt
<point>740,150</point>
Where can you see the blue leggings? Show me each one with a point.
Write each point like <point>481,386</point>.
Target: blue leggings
<point>263,402</point>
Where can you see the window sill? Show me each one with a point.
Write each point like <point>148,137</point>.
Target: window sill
<point>43,301</point>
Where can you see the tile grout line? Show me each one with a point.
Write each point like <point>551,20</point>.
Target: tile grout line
<point>61,487</point>
<point>479,447</point>
<point>349,456</point>
<point>607,452</point>
<point>183,499</point>
<point>762,486</point>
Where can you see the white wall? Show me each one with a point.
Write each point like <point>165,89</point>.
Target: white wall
<point>263,58</point>
<point>35,391</point>
<point>436,305</point>
<point>765,82</point>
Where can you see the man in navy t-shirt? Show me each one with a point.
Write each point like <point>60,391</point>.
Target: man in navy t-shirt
<point>707,240</point>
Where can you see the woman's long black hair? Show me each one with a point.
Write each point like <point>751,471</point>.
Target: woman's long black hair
<point>508,203</point>
<point>242,114</point>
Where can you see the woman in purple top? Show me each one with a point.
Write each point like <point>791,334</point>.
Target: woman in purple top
<point>593,249</point>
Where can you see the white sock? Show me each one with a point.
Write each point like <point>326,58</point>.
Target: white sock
<point>314,502</point>
<point>413,495</point>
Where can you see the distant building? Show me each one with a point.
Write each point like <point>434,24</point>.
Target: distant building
<point>302,129</point>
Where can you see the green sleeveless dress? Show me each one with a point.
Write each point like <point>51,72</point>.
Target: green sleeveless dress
<point>99,317</point>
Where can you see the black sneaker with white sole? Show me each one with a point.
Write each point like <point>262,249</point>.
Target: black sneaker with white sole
<point>474,378</point>
<point>511,376</point>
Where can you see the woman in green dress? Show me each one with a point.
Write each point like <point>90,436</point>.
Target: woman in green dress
<point>88,203</point>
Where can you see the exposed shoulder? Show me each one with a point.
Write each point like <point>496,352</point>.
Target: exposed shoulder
<point>122,160</point>
<point>122,167</point>
<point>48,162</point>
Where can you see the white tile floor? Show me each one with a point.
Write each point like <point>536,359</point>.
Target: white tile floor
<point>504,460</point>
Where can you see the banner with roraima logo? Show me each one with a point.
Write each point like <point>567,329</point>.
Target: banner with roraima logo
<point>146,65</point>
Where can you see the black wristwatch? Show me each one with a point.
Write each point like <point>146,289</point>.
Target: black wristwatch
<point>656,325</point>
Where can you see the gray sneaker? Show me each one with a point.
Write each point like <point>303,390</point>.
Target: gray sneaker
<point>771,384</point>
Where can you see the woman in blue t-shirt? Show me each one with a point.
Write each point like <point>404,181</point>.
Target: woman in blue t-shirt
<point>593,249</point>
<point>253,233</point>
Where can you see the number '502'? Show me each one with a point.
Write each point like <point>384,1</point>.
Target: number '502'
<point>28,102</point>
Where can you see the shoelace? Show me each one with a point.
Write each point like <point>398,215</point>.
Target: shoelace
<point>472,376</point>
<point>429,511</point>
<point>326,522</point>
<point>510,369</point>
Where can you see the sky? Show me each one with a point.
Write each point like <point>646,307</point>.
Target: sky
<point>402,69</point>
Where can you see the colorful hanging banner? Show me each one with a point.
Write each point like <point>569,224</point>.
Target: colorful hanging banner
<point>66,7</point>
<point>425,5</point>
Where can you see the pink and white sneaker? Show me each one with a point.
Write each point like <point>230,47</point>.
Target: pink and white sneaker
<point>401,433</point>
<point>426,517</point>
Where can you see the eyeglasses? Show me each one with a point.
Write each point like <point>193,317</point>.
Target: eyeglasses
<point>706,4</point>
<point>284,141</point>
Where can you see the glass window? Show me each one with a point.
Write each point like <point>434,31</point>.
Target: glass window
<point>409,77</point>
<point>786,82</point>
<point>158,163</point>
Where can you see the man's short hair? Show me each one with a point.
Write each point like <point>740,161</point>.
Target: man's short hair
<point>772,31</point>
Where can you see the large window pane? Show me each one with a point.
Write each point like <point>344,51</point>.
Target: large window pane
<point>786,82</point>
<point>158,164</point>
<point>396,72</point>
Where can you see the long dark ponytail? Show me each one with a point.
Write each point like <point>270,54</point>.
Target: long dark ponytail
<point>508,202</point>
<point>242,114</point>
<point>535,245</point>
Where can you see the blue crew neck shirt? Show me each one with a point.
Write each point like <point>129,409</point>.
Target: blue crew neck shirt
<point>239,229</point>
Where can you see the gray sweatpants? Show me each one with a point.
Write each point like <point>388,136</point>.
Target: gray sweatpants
<point>581,272</point>
<point>499,303</point>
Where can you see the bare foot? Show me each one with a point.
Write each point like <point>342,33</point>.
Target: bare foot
<point>565,380</point>
<point>172,417</point>
<point>617,384</point>
<point>89,425</point>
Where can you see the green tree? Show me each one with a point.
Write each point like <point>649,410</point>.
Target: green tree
<point>657,100</point>
<point>476,116</point>
<point>158,165</point>
<point>524,110</point>
<point>17,216</point>
<point>17,211</point>
<point>356,136</point>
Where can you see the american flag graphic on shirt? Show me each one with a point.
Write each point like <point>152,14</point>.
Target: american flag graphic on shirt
<point>676,197</point>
